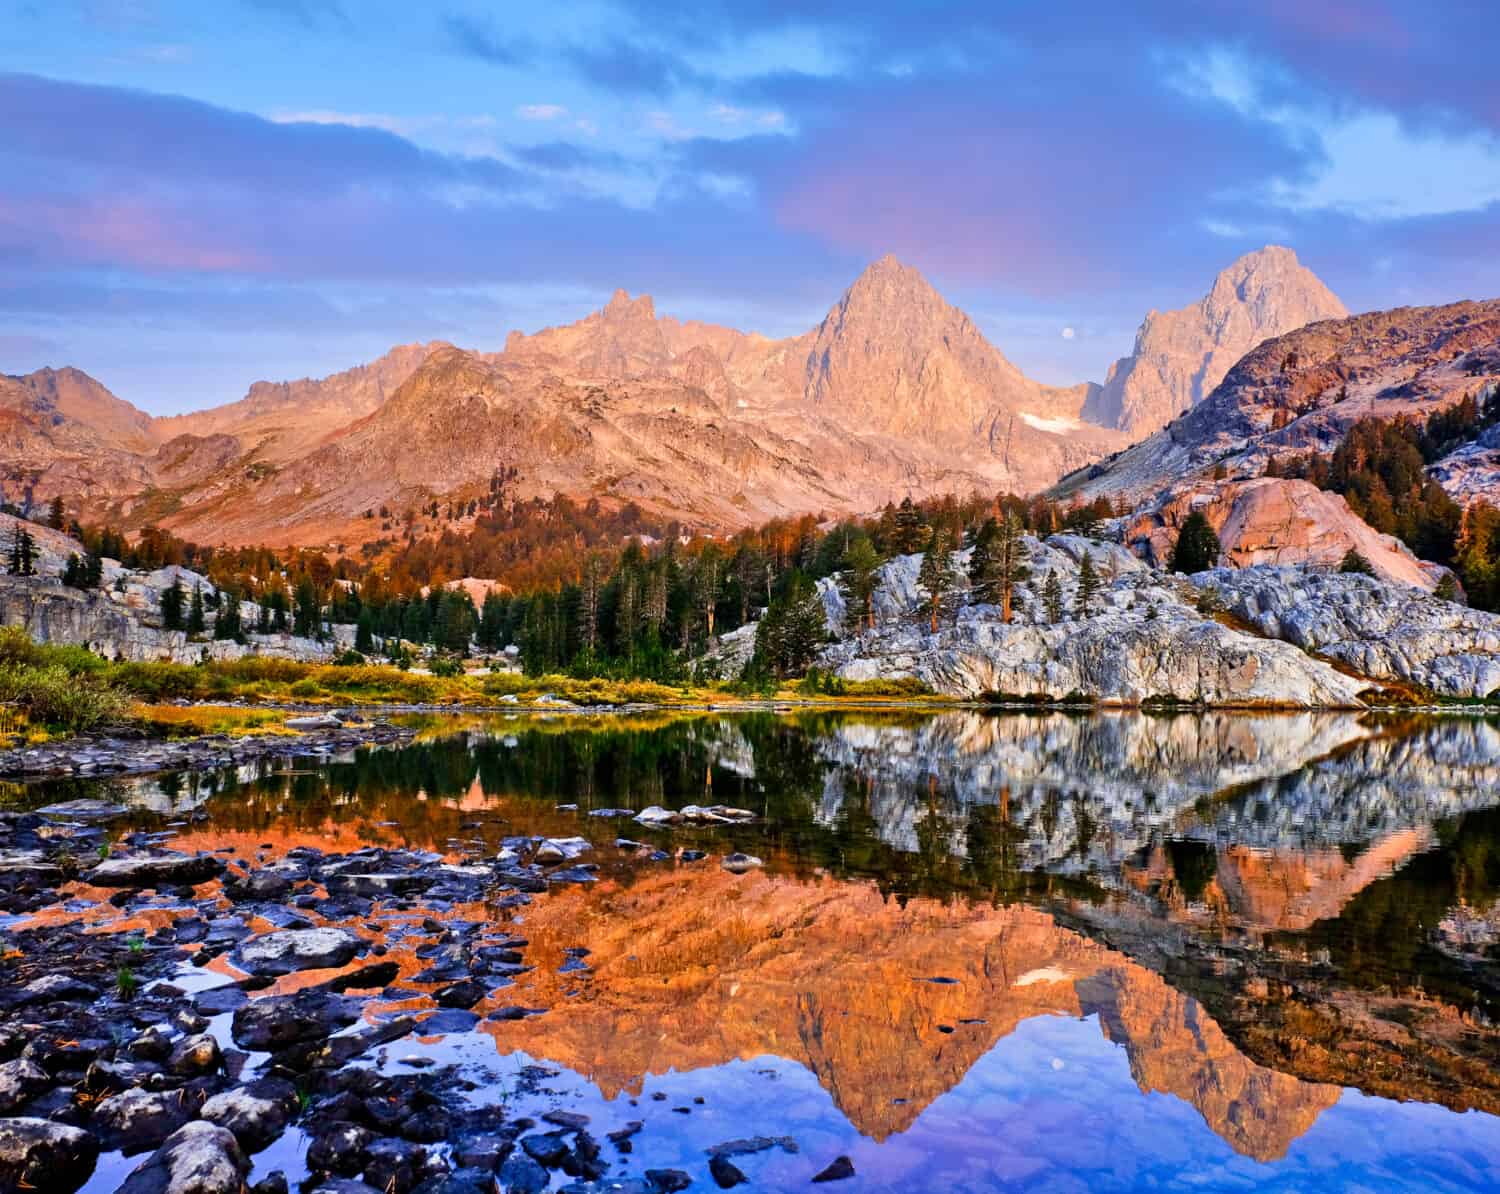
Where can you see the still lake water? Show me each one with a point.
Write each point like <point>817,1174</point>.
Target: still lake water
<point>1010,952</point>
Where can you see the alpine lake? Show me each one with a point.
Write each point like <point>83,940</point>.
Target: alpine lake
<point>980,952</point>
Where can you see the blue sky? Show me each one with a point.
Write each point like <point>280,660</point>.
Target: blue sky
<point>194,196</point>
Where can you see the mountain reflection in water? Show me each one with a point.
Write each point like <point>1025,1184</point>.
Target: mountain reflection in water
<point>1271,917</point>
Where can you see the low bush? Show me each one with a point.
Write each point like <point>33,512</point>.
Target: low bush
<point>57,698</point>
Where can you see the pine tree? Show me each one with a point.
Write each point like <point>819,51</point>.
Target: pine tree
<point>364,632</point>
<point>93,570</point>
<point>1355,562</point>
<point>910,531</point>
<point>173,600</point>
<point>1052,597</point>
<point>454,625</point>
<point>228,623</point>
<point>1088,586</point>
<point>858,583</point>
<point>56,517</point>
<point>73,572</point>
<point>999,562</point>
<point>308,622</point>
<point>707,585</point>
<point>788,637</point>
<point>935,577</point>
<point>590,581</point>
<point>1197,547</point>
<point>196,622</point>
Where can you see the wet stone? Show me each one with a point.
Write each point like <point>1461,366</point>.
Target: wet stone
<point>136,1120</point>
<point>725,1173</point>
<point>37,1154</point>
<point>257,1113</point>
<point>289,950</point>
<point>20,1082</point>
<point>520,1174</point>
<point>198,1158</point>
<point>840,1169</point>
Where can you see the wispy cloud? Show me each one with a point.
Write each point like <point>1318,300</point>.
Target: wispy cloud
<point>477,40</point>
<point>541,111</point>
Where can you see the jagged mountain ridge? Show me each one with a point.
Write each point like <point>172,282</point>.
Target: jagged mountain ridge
<point>1181,356</point>
<point>895,392</point>
<point>1302,391</point>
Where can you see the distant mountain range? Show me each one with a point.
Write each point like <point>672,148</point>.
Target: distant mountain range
<point>896,391</point>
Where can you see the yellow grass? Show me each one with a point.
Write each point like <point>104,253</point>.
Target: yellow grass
<point>180,721</point>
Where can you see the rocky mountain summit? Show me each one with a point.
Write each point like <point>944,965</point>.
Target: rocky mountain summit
<point>896,391</point>
<point>1301,393</point>
<point>1180,356</point>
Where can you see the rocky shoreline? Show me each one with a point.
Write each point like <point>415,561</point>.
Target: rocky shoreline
<point>167,1057</point>
<point>129,751</point>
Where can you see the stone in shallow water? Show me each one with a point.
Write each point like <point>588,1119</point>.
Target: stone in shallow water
<point>290,950</point>
<point>448,1020</point>
<point>38,1154</point>
<point>562,849</point>
<point>840,1169</point>
<point>58,988</point>
<point>257,1114</point>
<point>154,870</point>
<point>276,1021</point>
<point>20,1082</point>
<point>198,1158</point>
<point>739,864</point>
<point>726,1173</point>
<point>521,1175</point>
<point>135,1120</point>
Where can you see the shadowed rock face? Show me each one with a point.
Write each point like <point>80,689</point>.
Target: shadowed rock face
<point>1180,356</point>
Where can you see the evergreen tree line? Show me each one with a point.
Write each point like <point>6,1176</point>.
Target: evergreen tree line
<point>1380,469</point>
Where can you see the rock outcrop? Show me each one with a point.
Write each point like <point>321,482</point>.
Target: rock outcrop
<point>1276,521</point>
<point>1180,356</point>
<point>122,619</point>
<point>1386,632</point>
<point>1144,641</point>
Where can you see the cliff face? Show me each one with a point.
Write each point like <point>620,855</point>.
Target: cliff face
<point>1180,356</point>
<point>1143,639</point>
<point>1271,520</point>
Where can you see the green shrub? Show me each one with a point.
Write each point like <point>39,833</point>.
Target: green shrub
<point>446,667</point>
<point>306,688</point>
<point>55,697</point>
<point>267,668</point>
<point>156,681</point>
